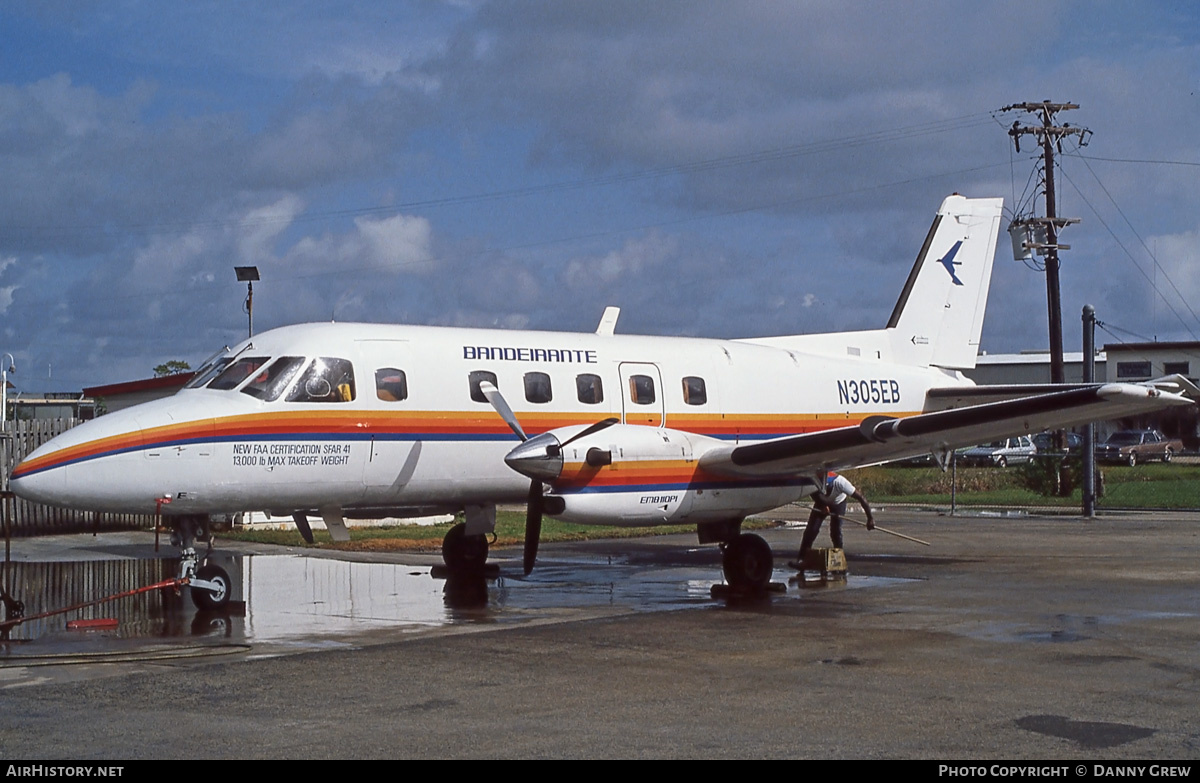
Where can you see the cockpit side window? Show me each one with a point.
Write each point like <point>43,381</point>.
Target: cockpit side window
<point>237,372</point>
<point>274,378</point>
<point>325,380</point>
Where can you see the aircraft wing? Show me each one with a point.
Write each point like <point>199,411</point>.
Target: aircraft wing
<point>962,396</point>
<point>964,422</point>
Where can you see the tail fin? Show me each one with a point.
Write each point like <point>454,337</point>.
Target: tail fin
<point>939,317</point>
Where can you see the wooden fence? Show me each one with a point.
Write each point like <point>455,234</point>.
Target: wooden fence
<point>19,438</point>
<point>47,586</point>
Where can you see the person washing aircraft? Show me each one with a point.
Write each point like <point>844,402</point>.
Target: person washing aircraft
<point>831,503</point>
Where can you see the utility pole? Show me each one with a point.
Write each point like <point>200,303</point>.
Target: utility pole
<point>1089,432</point>
<point>1041,234</point>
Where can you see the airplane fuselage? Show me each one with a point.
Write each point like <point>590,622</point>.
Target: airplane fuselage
<point>403,426</point>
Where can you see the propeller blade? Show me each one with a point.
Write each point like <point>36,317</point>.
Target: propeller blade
<point>592,430</point>
<point>497,400</point>
<point>533,524</point>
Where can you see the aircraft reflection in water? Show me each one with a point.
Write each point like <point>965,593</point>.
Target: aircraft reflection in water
<point>301,601</point>
<point>372,420</point>
<point>288,598</point>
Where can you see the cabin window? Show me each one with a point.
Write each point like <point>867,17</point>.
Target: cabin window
<point>694,392</point>
<point>641,389</point>
<point>537,387</point>
<point>237,372</point>
<point>477,377</point>
<point>589,388</point>
<point>325,380</point>
<point>274,378</point>
<point>391,385</point>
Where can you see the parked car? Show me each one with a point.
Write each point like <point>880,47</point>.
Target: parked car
<point>1134,446</point>
<point>1045,442</point>
<point>1001,453</point>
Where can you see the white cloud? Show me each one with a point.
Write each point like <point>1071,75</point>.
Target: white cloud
<point>260,228</point>
<point>400,242</point>
<point>623,265</point>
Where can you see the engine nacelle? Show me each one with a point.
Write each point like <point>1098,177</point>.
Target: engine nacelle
<point>636,475</point>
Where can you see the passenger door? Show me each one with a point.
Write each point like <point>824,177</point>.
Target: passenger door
<point>642,394</point>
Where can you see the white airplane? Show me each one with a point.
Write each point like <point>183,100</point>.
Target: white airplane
<point>370,420</point>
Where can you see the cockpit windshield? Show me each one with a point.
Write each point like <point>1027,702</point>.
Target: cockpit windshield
<point>237,372</point>
<point>274,378</point>
<point>208,372</point>
<point>324,379</point>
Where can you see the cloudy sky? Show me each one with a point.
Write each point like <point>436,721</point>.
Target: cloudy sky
<point>714,168</point>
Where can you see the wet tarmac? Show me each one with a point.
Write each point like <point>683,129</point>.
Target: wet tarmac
<point>308,600</point>
<point>1030,637</point>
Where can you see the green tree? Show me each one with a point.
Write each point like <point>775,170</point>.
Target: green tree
<point>172,367</point>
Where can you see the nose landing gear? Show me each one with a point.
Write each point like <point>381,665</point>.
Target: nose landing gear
<point>210,584</point>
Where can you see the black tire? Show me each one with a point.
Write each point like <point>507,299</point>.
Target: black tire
<point>1002,462</point>
<point>1167,455</point>
<point>1133,459</point>
<point>207,599</point>
<point>462,552</point>
<point>748,562</point>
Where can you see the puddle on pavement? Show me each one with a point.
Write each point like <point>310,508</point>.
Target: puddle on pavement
<point>291,601</point>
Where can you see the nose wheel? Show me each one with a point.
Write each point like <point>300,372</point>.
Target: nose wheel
<point>210,584</point>
<point>210,587</point>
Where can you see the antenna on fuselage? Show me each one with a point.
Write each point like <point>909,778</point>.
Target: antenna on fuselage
<point>608,321</point>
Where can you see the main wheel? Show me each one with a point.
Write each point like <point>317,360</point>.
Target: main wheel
<point>1002,462</point>
<point>748,562</point>
<point>217,598</point>
<point>1167,455</point>
<point>1133,459</point>
<point>462,552</point>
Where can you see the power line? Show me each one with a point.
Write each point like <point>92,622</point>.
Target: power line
<point>1129,255</point>
<point>693,167</point>
<point>1132,160</point>
<point>1152,256</point>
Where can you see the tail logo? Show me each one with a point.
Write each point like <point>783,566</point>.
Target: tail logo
<point>949,262</point>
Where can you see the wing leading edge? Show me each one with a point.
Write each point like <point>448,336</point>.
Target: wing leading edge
<point>882,439</point>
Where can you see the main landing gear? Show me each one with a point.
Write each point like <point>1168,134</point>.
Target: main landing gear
<point>747,562</point>
<point>463,553</point>
<point>210,584</point>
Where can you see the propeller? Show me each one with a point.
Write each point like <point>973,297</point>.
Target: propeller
<point>540,458</point>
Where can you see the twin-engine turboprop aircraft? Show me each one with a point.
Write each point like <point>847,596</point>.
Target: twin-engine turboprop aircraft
<point>372,420</point>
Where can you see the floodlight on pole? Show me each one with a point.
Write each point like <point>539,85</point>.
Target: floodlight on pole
<point>248,274</point>
<point>5,369</point>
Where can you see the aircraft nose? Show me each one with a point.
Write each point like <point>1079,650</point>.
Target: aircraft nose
<point>39,486</point>
<point>62,471</point>
<point>539,458</point>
